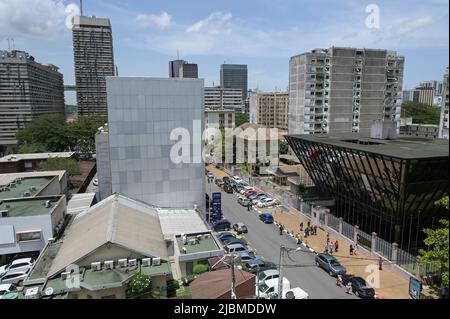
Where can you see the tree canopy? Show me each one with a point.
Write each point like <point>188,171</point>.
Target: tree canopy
<point>241,118</point>
<point>422,113</point>
<point>61,164</point>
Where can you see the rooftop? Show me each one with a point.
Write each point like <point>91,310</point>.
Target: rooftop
<point>403,147</point>
<point>205,243</point>
<point>29,206</point>
<point>181,221</point>
<point>79,203</point>
<point>5,179</point>
<point>37,156</point>
<point>33,185</point>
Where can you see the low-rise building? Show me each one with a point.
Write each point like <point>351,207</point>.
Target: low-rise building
<point>219,119</point>
<point>407,127</point>
<point>17,163</point>
<point>223,98</point>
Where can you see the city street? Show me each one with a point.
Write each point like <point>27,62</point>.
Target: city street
<point>265,239</point>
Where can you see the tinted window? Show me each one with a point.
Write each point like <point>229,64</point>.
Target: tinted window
<point>19,265</point>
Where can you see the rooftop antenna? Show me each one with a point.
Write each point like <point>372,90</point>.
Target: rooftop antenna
<point>9,44</point>
<point>13,44</point>
<point>81,7</point>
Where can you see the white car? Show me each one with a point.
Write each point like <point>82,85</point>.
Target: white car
<point>6,288</point>
<point>15,277</point>
<point>295,293</point>
<point>269,288</point>
<point>267,202</point>
<point>237,179</point>
<point>18,264</point>
<point>268,274</point>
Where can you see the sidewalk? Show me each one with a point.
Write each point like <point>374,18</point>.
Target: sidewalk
<point>392,286</point>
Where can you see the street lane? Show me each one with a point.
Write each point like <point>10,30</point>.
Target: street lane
<point>267,241</point>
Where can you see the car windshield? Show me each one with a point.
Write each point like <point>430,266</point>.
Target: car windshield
<point>263,287</point>
<point>335,263</point>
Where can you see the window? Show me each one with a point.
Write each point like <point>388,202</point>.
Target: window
<point>29,236</point>
<point>28,164</point>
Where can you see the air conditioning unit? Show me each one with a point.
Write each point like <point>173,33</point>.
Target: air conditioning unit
<point>96,266</point>
<point>65,275</point>
<point>132,263</point>
<point>109,264</point>
<point>122,263</point>
<point>33,188</point>
<point>183,250</point>
<point>146,262</point>
<point>199,237</point>
<point>26,194</point>
<point>32,293</point>
<point>156,261</point>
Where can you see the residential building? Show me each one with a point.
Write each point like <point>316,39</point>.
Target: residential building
<point>234,76</point>
<point>340,90</point>
<point>28,89</point>
<point>183,69</point>
<point>143,114</point>
<point>386,186</point>
<point>27,224</point>
<point>426,95</point>
<point>270,109</point>
<point>438,86</point>
<point>222,98</point>
<point>218,119</point>
<point>444,124</point>
<point>411,96</point>
<point>18,163</point>
<point>94,61</point>
<point>420,130</point>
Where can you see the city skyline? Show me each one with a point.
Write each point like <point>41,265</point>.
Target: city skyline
<point>150,35</point>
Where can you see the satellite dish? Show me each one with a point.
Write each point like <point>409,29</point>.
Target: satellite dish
<point>49,291</point>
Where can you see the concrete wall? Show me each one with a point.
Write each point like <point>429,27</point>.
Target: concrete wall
<point>108,252</point>
<point>103,165</point>
<point>53,188</point>
<point>142,114</point>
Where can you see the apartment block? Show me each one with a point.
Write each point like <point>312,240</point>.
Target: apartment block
<point>343,90</point>
<point>94,60</point>
<point>183,69</point>
<point>443,126</point>
<point>234,76</point>
<point>222,98</point>
<point>28,89</point>
<point>270,109</point>
<point>219,119</point>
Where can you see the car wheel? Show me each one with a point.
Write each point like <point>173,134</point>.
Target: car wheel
<point>331,273</point>
<point>356,293</point>
<point>317,264</point>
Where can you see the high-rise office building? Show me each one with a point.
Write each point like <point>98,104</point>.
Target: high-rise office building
<point>221,98</point>
<point>28,89</point>
<point>142,115</point>
<point>270,109</point>
<point>443,127</point>
<point>94,60</point>
<point>343,90</point>
<point>183,69</point>
<point>234,76</point>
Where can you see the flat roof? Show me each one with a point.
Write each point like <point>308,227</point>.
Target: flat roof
<point>79,203</point>
<point>403,147</point>
<point>37,156</point>
<point>25,207</point>
<point>5,179</point>
<point>180,221</point>
<point>20,187</point>
<point>203,245</point>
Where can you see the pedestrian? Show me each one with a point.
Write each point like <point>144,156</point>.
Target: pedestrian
<point>307,232</point>
<point>351,249</point>
<point>339,280</point>
<point>330,247</point>
<point>281,230</point>
<point>380,263</point>
<point>315,229</point>
<point>336,246</point>
<point>349,287</point>
<point>355,249</point>
<point>248,207</point>
<point>301,226</point>
<point>309,224</point>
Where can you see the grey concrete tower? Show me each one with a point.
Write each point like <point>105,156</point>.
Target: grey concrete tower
<point>94,60</point>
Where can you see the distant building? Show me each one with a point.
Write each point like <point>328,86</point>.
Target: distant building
<point>419,130</point>
<point>219,119</point>
<point>426,95</point>
<point>222,98</point>
<point>140,145</point>
<point>270,109</point>
<point>438,86</point>
<point>17,163</point>
<point>343,90</point>
<point>183,69</point>
<point>444,123</point>
<point>93,60</point>
<point>234,76</point>
<point>28,89</point>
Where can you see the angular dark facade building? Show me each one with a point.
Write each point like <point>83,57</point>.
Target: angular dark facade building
<point>384,186</point>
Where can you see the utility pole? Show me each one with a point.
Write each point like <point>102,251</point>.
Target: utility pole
<point>257,281</point>
<point>233,279</point>
<point>280,268</point>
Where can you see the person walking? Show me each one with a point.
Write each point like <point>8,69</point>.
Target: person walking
<point>351,249</point>
<point>339,280</point>
<point>281,230</point>
<point>309,224</point>
<point>380,263</point>
<point>301,226</point>
<point>336,246</point>
<point>348,287</point>
<point>355,249</point>
<point>315,229</point>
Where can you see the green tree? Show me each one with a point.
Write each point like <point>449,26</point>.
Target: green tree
<point>421,113</point>
<point>57,164</point>
<point>200,269</point>
<point>31,149</point>
<point>437,242</point>
<point>241,118</point>
<point>139,286</point>
<point>284,147</point>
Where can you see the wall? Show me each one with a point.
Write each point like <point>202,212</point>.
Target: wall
<point>108,252</point>
<point>103,165</point>
<point>52,188</point>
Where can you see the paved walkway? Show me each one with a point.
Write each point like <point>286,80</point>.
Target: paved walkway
<point>392,286</point>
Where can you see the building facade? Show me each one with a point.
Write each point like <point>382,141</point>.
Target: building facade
<point>270,109</point>
<point>218,120</point>
<point>343,89</point>
<point>221,98</point>
<point>234,76</point>
<point>143,114</point>
<point>183,69</point>
<point>93,60</point>
<point>28,89</point>
<point>443,126</point>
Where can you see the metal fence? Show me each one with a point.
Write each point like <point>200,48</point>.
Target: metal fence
<point>406,261</point>
<point>364,240</point>
<point>383,248</point>
<point>348,230</point>
<point>333,222</point>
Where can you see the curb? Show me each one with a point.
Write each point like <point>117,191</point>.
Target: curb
<point>304,244</point>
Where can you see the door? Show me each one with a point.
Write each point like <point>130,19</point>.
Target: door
<point>189,268</point>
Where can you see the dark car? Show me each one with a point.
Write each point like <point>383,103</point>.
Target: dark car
<point>226,235</point>
<point>267,218</point>
<point>232,240</point>
<point>219,182</point>
<point>359,286</point>
<point>221,225</point>
<point>238,188</point>
<point>228,189</point>
<point>226,180</point>
<point>240,228</point>
<point>244,202</point>
<point>330,264</point>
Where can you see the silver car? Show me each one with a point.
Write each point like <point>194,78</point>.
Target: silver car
<point>15,277</point>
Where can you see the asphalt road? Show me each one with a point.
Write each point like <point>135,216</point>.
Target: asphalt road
<point>301,270</point>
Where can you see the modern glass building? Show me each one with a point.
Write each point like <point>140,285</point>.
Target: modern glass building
<point>234,76</point>
<point>385,186</point>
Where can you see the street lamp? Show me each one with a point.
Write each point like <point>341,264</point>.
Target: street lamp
<point>280,267</point>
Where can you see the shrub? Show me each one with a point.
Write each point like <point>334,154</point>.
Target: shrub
<point>200,269</point>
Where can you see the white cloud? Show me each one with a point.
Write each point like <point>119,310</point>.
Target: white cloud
<point>37,19</point>
<point>161,21</point>
<point>215,23</point>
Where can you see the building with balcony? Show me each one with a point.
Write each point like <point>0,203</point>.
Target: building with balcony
<point>223,98</point>
<point>340,90</point>
<point>269,109</point>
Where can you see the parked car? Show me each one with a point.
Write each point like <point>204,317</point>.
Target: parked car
<point>247,257</point>
<point>228,189</point>
<point>269,288</point>
<point>267,202</point>
<point>18,264</point>
<point>267,218</point>
<point>219,182</point>
<point>268,274</point>
<point>246,189</point>
<point>257,200</point>
<point>210,175</point>
<point>6,288</point>
<point>221,225</point>
<point>295,293</point>
<point>240,228</point>
<point>267,265</point>
<point>225,235</point>
<point>233,240</point>
<point>226,180</point>
<point>359,286</point>
<point>238,188</point>
<point>244,202</point>
<point>256,195</point>
<point>330,264</point>
<point>235,248</point>
<point>14,276</point>
<point>249,192</point>
<point>237,179</point>
<point>254,264</point>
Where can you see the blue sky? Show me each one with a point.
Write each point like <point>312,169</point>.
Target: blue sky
<point>262,33</point>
